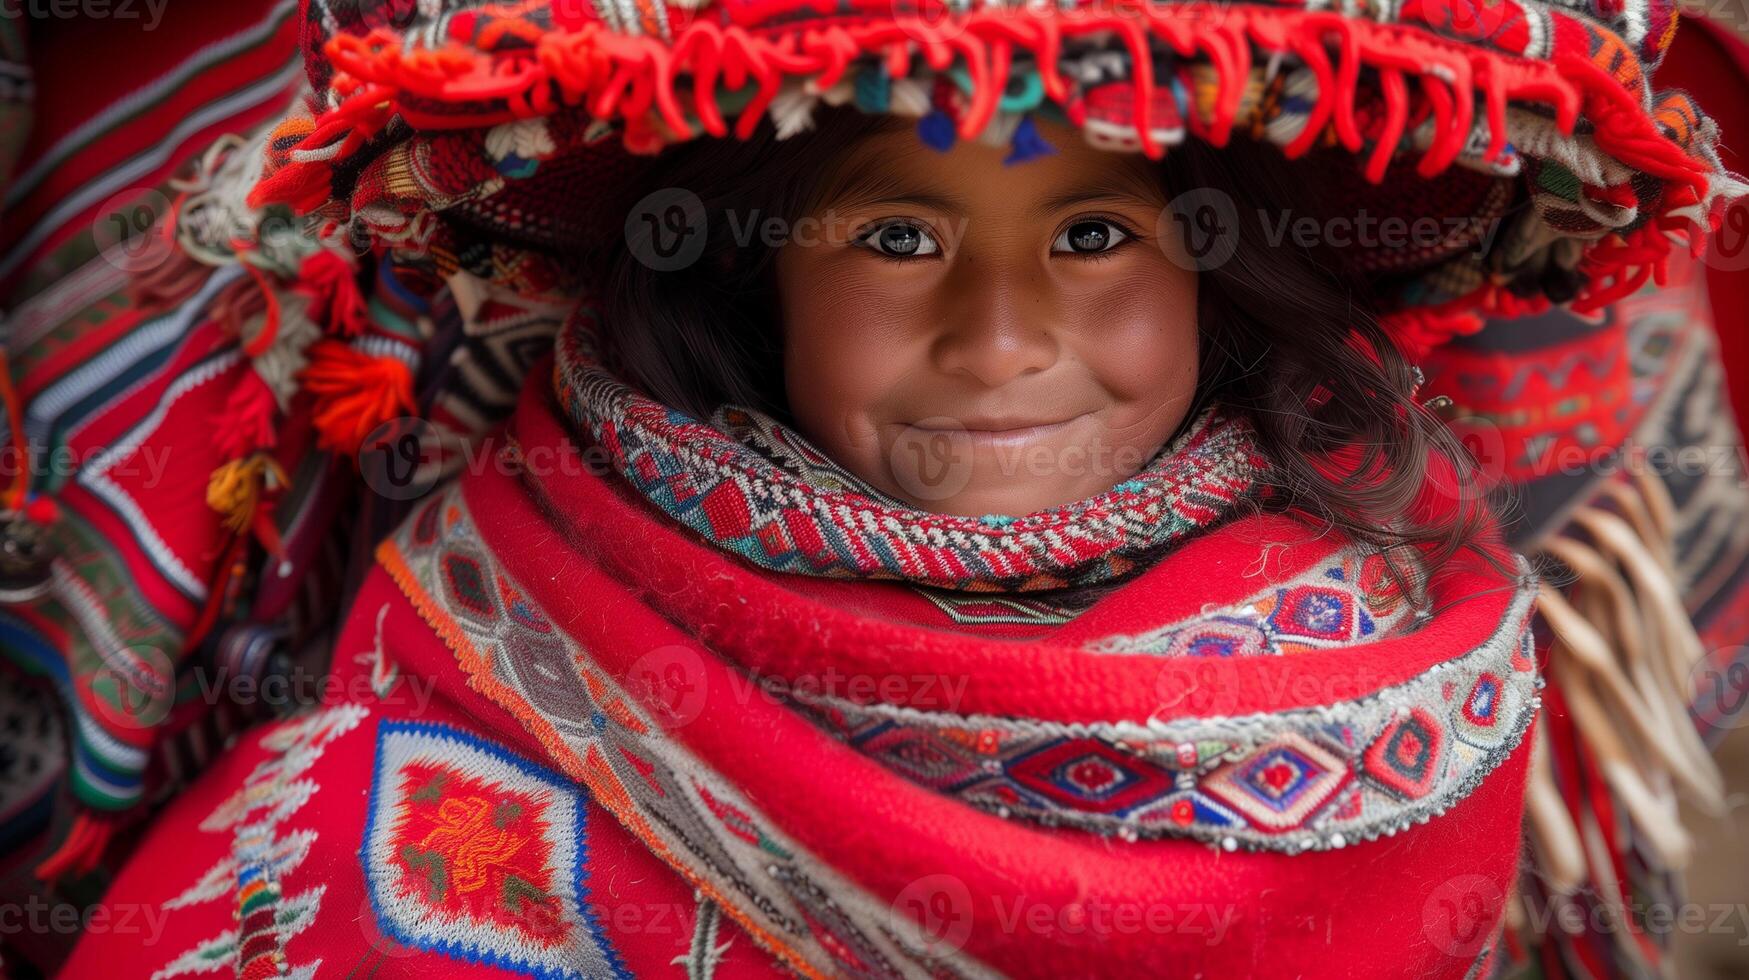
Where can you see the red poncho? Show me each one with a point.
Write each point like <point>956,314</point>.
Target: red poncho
<point>580,726</point>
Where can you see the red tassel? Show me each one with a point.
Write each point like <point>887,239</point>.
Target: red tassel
<point>246,424</point>
<point>1417,331</point>
<point>230,567</point>
<point>83,847</point>
<point>267,532</point>
<point>1620,195</point>
<point>336,303</point>
<point>354,393</point>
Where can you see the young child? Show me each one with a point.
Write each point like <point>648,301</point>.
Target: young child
<point>938,544</point>
<point>977,337</point>
<point>1021,566</point>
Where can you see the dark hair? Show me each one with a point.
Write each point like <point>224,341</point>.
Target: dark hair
<point>1289,336</point>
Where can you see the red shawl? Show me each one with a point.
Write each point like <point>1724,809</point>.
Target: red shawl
<point>1236,751</point>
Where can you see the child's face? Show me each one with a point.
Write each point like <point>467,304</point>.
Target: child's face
<point>976,338</point>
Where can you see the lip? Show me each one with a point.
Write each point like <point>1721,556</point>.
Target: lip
<point>1001,431</point>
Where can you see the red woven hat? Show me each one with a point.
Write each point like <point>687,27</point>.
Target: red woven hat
<point>1532,127</point>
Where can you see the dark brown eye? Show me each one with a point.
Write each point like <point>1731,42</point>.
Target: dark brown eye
<point>1089,237</point>
<point>900,240</point>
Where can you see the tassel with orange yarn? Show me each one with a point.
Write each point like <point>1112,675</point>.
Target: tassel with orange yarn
<point>354,393</point>
<point>237,490</point>
<point>242,491</point>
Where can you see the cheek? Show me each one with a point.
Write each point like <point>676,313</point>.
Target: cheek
<point>1144,345</point>
<point>845,347</point>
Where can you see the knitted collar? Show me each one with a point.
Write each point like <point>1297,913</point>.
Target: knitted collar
<point>755,487</point>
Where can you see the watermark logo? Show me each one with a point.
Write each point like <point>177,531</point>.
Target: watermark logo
<point>1193,685</point>
<point>135,688</point>
<point>1484,445</point>
<point>932,459</point>
<point>1728,248</point>
<point>126,230</point>
<point>149,12</point>
<point>1199,230</point>
<point>37,916</point>
<point>670,680</point>
<point>1459,917</point>
<point>402,458</point>
<point>940,907</point>
<point>382,945</point>
<point>666,231</point>
<point>931,23</point>
<point>1720,686</point>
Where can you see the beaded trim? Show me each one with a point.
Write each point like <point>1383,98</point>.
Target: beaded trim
<point>1293,780</point>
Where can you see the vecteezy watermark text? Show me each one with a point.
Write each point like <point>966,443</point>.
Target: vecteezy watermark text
<point>151,11</point>
<point>35,915</point>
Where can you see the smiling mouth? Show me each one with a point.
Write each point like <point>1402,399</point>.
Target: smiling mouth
<point>999,431</point>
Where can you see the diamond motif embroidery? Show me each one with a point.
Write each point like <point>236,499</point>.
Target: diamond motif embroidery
<point>1278,787</point>
<point>1405,757</point>
<point>1315,613</point>
<point>1482,707</point>
<point>1090,775</point>
<point>1219,638</point>
<point>1481,712</point>
<point>920,755</point>
<point>476,853</point>
<point>467,583</point>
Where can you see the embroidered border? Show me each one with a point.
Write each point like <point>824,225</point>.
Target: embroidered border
<point>1346,598</point>
<point>693,821</point>
<point>1292,780</point>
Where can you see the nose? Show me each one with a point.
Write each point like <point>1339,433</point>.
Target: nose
<point>995,333</point>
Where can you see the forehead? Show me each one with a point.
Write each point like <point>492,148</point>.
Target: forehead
<point>891,160</point>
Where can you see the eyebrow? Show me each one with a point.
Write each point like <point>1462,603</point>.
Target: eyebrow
<point>1129,187</point>
<point>862,182</point>
<point>867,188</point>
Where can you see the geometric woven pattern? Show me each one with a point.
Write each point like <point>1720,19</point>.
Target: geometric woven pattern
<point>1406,756</point>
<point>1292,780</point>
<point>1280,785</point>
<point>1344,773</point>
<point>1344,599</point>
<point>1090,775</point>
<point>476,853</point>
<point>275,896</point>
